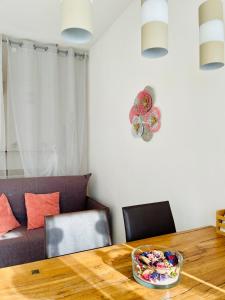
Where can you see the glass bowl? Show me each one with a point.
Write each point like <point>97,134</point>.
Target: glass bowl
<point>156,267</point>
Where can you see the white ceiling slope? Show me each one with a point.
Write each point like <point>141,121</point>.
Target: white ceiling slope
<point>40,19</point>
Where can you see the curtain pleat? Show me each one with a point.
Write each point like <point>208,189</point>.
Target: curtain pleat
<point>2,119</point>
<point>47,94</point>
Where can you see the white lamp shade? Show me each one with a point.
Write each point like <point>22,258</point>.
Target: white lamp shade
<point>211,31</point>
<point>154,10</point>
<point>76,21</point>
<point>154,20</point>
<point>211,35</point>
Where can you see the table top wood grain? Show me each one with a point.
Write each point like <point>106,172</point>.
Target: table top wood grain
<point>107,273</point>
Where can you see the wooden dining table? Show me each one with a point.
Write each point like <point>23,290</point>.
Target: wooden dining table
<point>106,273</point>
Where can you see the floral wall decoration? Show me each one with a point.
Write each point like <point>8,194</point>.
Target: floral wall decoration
<point>145,118</point>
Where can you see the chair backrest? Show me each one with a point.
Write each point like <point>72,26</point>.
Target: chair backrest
<point>75,232</point>
<point>148,220</point>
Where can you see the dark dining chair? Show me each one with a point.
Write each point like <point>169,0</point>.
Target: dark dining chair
<point>148,220</point>
<point>75,232</point>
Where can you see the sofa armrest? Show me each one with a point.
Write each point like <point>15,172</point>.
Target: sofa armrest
<point>93,204</point>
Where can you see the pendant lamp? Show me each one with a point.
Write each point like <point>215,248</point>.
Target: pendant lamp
<point>154,32</point>
<point>211,35</point>
<point>77,21</point>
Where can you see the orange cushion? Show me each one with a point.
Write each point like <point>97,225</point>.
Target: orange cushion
<point>40,205</point>
<point>7,220</point>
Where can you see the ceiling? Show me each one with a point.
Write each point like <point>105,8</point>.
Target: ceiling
<point>40,19</point>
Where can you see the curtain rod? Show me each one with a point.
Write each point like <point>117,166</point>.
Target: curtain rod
<point>45,48</point>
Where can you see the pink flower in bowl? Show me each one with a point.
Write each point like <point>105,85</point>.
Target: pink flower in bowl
<point>143,102</point>
<point>152,119</point>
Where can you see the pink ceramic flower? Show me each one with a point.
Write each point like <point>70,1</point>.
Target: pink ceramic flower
<point>133,113</point>
<point>152,119</point>
<point>137,126</point>
<point>143,102</point>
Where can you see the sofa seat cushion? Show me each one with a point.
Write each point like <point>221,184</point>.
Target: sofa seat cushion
<point>14,248</point>
<point>20,246</point>
<point>36,239</point>
<point>14,234</point>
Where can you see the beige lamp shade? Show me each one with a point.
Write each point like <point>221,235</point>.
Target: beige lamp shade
<point>211,35</point>
<point>154,32</point>
<point>76,21</point>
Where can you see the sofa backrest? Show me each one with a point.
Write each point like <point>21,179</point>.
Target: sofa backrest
<point>72,190</point>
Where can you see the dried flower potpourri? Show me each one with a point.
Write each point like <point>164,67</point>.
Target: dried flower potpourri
<point>156,267</point>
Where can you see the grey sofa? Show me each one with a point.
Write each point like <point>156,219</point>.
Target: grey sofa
<point>21,245</point>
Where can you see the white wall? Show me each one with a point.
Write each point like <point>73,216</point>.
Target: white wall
<point>40,20</point>
<point>185,161</point>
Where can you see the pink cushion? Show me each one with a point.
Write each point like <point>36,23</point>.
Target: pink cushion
<point>38,206</point>
<point>7,220</point>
